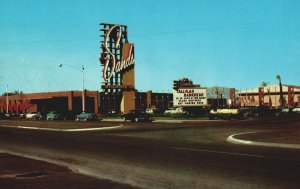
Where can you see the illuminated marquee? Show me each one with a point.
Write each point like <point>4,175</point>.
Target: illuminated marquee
<point>111,64</point>
<point>190,97</point>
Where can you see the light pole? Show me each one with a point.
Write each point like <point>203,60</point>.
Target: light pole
<point>83,97</point>
<point>82,71</point>
<point>7,99</point>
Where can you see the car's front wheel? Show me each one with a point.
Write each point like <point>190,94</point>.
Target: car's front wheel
<point>277,114</point>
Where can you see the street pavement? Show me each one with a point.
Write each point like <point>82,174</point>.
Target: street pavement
<point>37,174</point>
<point>18,172</point>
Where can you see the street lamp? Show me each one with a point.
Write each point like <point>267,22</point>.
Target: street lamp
<point>82,71</point>
<point>7,99</point>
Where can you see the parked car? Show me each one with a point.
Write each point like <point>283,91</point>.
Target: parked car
<point>22,115</point>
<point>55,115</point>
<point>4,115</point>
<point>34,116</point>
<point>136,116</point>
<point>225,114</point>
<point>84,116</point>
<point>178,110</point>
<point>286,110</point>
<point>263,111</point>
<point>296,110</point>
<point>152,110</point>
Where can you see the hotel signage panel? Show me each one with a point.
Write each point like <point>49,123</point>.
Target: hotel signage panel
<point>117,56</point>
<point>190,97</point>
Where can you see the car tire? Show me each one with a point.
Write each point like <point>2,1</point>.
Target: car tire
<point>229,117</point>
<point>245,115</point>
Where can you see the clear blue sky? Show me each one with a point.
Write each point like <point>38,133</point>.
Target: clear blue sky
<point>230,43</point>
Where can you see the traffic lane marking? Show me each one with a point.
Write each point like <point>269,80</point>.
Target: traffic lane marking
<point>232,153</point>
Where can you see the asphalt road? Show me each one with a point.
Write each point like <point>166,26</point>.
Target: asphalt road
<point>165,155</point>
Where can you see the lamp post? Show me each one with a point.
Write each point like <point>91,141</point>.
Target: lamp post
<point>83,97</point>
<point>7,99</point>
<point>82,71</point>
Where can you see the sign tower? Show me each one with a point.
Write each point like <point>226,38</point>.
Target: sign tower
<point>117,60</point>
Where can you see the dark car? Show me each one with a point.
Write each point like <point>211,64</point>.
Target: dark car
<point>290,112</point>
<point>84,116</point>
<point>264,111</point>
<point>4,115</point>
<point>136,116</point>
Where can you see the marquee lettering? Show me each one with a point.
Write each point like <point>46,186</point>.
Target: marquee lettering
<point>116,66</point>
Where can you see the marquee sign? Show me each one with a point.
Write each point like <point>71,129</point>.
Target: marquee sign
<point>190,97</point>
<point>117,56</point>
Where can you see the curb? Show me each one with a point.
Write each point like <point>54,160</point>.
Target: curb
<point>171,121</point>
<point>62,130</point>
<point>233,140</point>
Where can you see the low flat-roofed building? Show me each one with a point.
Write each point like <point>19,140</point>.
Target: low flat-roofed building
<point>67,102</point>
<point>269,96</point>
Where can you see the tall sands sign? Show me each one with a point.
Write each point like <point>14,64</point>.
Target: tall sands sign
<point>117,60</point>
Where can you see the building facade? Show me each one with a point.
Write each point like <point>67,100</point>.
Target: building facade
<point>67,102</point>
<point>110,102</point>
<point>269,96</point>
<point>70,102</point>
<point>221,96</point>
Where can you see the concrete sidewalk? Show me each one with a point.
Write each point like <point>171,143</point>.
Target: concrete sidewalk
<point>23,173</point>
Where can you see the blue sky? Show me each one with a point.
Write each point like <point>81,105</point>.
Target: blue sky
<point>230,43</point>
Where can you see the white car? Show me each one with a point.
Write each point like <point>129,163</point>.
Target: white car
<point>296,110</point>
<point>34,115</point>
<point>151,110</point>
<point>175,111</point>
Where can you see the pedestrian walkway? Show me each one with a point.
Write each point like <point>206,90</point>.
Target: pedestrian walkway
<point>23,173</point>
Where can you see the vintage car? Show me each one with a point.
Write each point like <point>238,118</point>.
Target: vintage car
<point>34,116</point>
<point>225,114</point>
<point>54,115</point>
<point>136,116</point>
<point>264,111</point>
<point>84,116</point>
<point>4,115</point>
<point>178,110</point>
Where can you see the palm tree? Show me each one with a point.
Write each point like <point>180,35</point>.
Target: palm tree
<point>281,99</point>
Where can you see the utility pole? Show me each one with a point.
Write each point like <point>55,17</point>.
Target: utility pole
<point>7,99</point>
<point>83,93</point>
